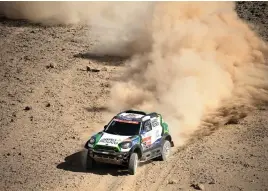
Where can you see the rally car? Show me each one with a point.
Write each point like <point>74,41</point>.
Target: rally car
<point>130,137</point>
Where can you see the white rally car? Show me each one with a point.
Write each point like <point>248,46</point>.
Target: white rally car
<point>131,136</point>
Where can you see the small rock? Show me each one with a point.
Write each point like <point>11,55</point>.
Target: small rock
<point>73,137</point>
<point>212,182</point>
<point>92,69</point>
<point>172,182</point>
<point>31,118</point>
<point>8,154</point>
<point>104,69</point>
<point>95,70</point>
<point>26,58</point>
<point>262,108</point>
<point>201,187</point>
<point>19,154</point>
<point>50,66</point>
<point>232,121</point>
<point>48,105</point>
<point>192,157</point>
<point>198,186</point>
<point>263,4</point>
<point>17,78</point>
<point>88,69</point>
<point>27,108</point>
<point>12,120</point>
<point>106,85</point>
<point>10,95</point>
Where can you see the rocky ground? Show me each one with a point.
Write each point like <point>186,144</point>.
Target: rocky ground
<point>51,100</point>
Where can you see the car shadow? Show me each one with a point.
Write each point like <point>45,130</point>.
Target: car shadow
<point>76,163</point>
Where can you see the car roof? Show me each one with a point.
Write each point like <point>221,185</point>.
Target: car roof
<point>133,115</point>
<point>130,116</point>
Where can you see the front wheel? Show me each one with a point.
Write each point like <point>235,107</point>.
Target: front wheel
<point>165,150</point>
<point>133,163</point>
<point>90,162</point>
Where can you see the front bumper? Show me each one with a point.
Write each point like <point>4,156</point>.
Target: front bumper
<point>111,157</point>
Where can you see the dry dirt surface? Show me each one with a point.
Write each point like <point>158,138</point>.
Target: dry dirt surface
<point>52,101</point>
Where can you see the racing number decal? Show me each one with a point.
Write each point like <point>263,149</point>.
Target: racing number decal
<point>157,130</point>
<point>155,123</point>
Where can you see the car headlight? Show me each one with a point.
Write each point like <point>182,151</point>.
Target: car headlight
<point>92,141</point>
<point>126,145</point>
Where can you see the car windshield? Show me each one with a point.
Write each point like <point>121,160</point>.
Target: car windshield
<point>125,128</point>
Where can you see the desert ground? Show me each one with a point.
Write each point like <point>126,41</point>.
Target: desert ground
<point>52,101</point>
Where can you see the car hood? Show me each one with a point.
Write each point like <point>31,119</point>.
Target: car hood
<point>111,139</point>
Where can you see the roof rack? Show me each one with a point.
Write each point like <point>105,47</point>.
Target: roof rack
<point>153,114</point>
<point>133,111</point>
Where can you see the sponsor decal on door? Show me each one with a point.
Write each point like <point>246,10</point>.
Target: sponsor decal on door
<point>147,140</point>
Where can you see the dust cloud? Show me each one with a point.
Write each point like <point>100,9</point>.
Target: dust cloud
<point>47,12</point>
<point>203,66</point>
<point>196,63</point>
<point>68,12</point>
<point>122,28</point>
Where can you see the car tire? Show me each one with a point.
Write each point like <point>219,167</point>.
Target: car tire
<point>165,150</point>
<point>133,163</point>
<point>90,163</point>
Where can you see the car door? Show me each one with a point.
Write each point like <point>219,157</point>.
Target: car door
<point>156,129</point>
<point>146,135</point>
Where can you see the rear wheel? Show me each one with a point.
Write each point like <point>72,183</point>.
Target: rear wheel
<point>165,150</point>
<point>133,163</point>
